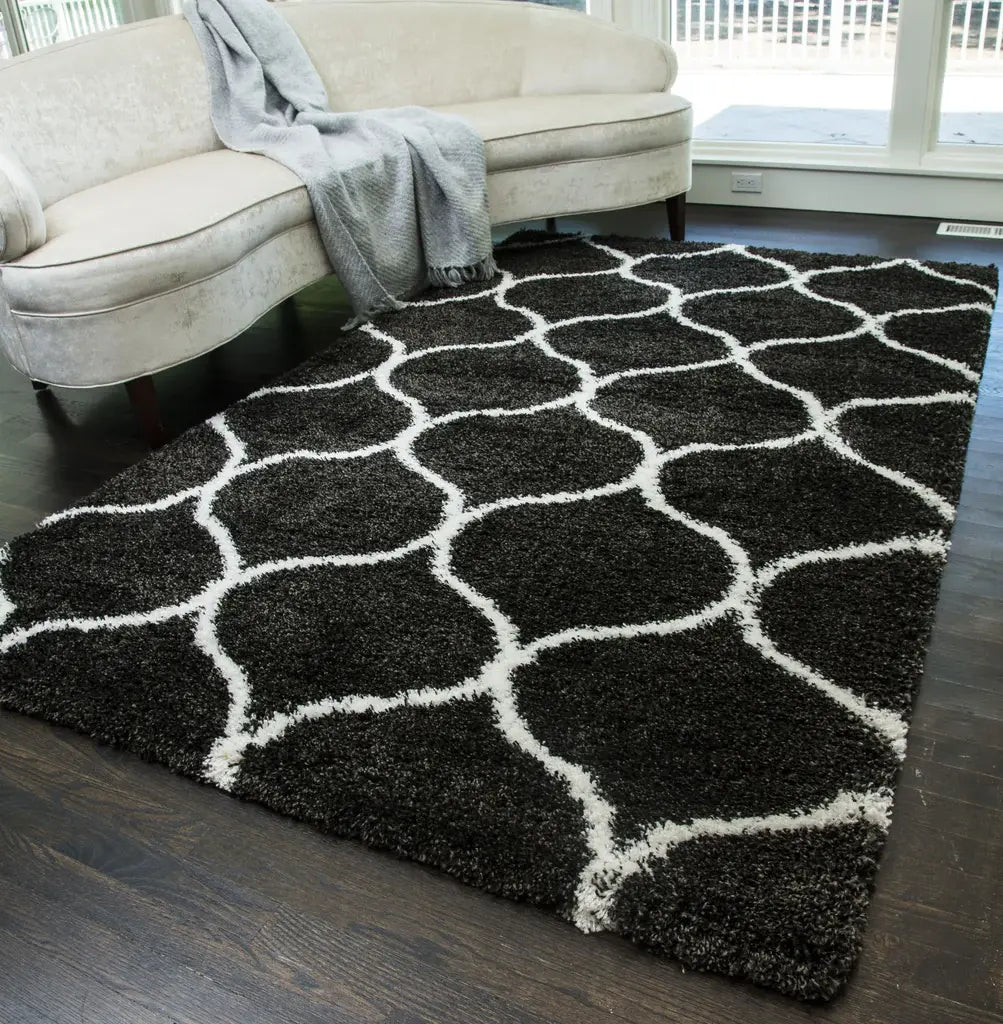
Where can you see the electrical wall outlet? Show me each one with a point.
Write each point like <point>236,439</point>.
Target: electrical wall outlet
<point>747,181</point>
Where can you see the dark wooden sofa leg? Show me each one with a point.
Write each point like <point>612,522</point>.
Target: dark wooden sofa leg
<point>40,385</point>
<point>143,397</point>
<point>552,225</point>
<point>676,207</point>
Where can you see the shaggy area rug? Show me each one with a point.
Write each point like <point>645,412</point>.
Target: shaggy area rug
<point>604,586</point>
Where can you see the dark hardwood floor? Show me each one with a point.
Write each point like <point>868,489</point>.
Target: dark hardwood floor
<point>132,896</point>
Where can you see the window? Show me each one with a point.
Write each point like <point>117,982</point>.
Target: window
<point>787,70</point>
<point>878,106</point>
<point>971,103</point>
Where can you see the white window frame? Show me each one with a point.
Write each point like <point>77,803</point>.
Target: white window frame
<point>15,32</point>
<point>866,179</point>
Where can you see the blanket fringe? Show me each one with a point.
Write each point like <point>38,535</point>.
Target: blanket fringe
<point>438,277</point>
<point>389,306</point>
<point>453,277</point>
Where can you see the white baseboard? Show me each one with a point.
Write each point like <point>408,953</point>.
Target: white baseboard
<point>906,195</point>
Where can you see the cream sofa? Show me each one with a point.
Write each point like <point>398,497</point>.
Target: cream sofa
<point>130,240</point>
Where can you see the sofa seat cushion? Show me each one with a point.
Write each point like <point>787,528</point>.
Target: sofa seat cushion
<point>527,131</point>
<point>155,231</point>
<point>161,229</point>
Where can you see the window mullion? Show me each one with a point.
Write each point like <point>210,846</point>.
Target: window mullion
<point>920,61</point>
<point>601,9</point>
<point>645,16</point>
<point>15,30</point>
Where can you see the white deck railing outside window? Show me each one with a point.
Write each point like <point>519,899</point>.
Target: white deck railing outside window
<point>818,33</point>
<point>54,21</point>
<point>776,33</point>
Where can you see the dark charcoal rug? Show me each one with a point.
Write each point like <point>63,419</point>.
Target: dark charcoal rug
<point>604,587</point>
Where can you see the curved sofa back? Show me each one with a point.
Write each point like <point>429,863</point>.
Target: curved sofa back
<point>381,53</point>
<point>84,112</point>
<point>91,110</point>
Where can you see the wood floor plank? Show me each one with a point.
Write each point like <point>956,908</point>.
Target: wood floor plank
<point>131,896</point>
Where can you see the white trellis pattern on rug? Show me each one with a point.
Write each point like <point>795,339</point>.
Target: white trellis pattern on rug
<point>612,859</point>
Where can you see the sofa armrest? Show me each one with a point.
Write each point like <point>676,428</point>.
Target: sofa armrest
<point>671,65</point>
<point>22,223</point>
<point>577,54</point>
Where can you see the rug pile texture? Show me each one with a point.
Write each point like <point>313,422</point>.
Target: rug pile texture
<point>604,586</point>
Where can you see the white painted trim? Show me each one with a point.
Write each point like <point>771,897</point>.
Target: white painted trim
<point>11,18</point>
<point>601,9</point>
<point>984,162</point>
<point>972,161</point>
<point>789,154</point>
<point>896,193</point>
<point>920,62</point>
<point>647,17</point>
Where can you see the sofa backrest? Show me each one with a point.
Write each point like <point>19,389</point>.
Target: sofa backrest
<point>380,53</point>
<point>88,111</point>
<point>91,110</point>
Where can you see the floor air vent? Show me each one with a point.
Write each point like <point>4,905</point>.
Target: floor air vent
<point>949,227</point>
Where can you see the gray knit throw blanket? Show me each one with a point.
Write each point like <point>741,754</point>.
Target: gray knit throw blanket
<point>399,195</point>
